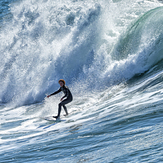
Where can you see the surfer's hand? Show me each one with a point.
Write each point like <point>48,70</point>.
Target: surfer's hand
<point>61,99</point>
<point>48,96</point>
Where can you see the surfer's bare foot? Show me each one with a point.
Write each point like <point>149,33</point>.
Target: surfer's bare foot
<point>65,114</point>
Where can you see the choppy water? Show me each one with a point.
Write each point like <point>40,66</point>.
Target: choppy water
<point>110,54</point>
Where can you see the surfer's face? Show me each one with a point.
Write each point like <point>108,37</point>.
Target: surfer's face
<point>61,84</point>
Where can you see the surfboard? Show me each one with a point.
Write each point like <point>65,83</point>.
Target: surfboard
<point>50,118</point>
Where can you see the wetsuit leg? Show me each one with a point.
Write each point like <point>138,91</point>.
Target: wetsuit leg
<point>59,111</point>
<point>63,103</point>
<point>65,109</point>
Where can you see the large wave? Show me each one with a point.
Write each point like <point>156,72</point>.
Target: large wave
<point>48,40</point>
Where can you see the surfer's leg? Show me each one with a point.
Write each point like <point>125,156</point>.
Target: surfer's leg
<point>65,109</point>
<point>59,111</point>
<point>63,103</point>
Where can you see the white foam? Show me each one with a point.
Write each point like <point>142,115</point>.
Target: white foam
<point>49,40</point>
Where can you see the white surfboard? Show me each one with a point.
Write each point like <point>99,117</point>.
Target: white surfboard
<point>52,119</point>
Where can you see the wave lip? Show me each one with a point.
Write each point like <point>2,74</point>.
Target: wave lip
<point>143,34</point>
<point>140,47</point>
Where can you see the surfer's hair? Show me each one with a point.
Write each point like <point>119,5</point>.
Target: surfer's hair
<point>61,80</point>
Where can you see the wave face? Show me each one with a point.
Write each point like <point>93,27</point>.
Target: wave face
<point>110,52</point>
<point>47,40</point>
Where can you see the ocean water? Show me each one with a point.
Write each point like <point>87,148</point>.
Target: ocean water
<point>110,52</point>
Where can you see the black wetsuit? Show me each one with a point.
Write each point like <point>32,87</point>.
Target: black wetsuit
<point>68,99</point>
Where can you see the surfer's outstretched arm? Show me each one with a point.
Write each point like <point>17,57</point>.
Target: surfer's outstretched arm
<point>59,90</point>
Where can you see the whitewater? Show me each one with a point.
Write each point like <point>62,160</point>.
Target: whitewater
<point>109,52</point>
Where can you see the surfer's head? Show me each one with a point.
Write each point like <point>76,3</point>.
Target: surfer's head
<point>61,82</point>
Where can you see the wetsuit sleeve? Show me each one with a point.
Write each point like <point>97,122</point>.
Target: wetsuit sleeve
<point>59,90</point>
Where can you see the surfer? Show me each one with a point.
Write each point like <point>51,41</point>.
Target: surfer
<point>68,97</point>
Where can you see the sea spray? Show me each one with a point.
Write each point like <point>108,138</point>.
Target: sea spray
<point>111,119</point>
<point>48,40</point>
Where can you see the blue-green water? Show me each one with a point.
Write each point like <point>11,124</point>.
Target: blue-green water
<point>110,54</point>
